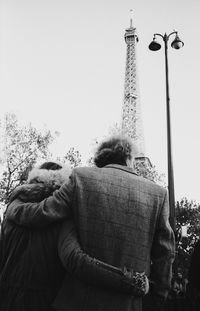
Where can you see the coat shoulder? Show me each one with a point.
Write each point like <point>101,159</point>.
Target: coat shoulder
<point>84,170</point>
<point>154,186</point>
<point>145,183</point>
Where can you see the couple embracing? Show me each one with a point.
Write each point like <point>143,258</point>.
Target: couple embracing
<point>85,240</point>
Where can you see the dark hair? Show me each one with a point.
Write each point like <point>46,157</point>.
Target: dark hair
<point>50,166</point>
<point>115,150</point>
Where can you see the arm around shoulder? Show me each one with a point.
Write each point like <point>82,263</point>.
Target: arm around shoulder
<point>55,208</point>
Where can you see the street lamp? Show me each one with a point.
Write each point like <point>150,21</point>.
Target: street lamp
<point>155,46</point>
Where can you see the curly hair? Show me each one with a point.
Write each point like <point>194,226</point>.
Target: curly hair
<point>114,150</point>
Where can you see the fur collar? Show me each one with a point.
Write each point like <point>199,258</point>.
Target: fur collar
<point>41,184</point>
<point>49,177</point>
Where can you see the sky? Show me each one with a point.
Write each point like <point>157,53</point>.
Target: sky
<point>62,67</point>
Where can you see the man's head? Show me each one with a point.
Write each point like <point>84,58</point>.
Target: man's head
<point>117,149</point>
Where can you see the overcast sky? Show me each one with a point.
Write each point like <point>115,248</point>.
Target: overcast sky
<point>62,65</point>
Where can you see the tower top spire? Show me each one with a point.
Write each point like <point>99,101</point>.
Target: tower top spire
<point>130,33</point>
<point>131,18</point>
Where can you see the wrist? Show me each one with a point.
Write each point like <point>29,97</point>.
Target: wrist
<point>135,282</point>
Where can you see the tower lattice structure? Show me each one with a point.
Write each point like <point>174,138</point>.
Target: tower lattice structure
<point>131,112</point>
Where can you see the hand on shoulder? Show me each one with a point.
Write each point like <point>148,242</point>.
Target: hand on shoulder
<point>29,193</point>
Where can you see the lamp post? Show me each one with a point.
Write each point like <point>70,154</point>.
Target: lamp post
<point>155,46</point>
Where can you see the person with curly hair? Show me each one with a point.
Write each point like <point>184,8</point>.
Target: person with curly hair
<point>121,218</point>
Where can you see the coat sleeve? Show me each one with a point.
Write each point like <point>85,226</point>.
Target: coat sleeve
<point>55,208</point>
<point>162,257</point>
<point>94,271</point>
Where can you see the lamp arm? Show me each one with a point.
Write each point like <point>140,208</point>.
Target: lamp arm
<point>174,32</point>
<point>165,37</point>
<point>158,34</point>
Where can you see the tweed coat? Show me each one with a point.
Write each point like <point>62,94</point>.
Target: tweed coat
<point>122,219</point>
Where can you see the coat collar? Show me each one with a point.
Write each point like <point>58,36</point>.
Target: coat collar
<point>122,168</point>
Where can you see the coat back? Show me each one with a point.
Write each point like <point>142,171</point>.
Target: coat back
<point>116,214</point>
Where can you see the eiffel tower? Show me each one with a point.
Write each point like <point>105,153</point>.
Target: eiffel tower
<point>131,110</point>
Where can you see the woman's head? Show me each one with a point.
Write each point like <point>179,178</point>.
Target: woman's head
<point>117,149</point>
<point>50,166</point>
<point>50,173</point>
